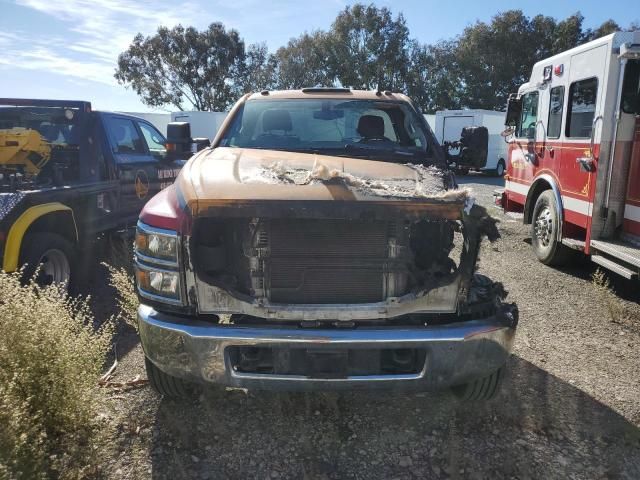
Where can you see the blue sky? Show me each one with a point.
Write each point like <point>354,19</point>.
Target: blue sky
<point>68,48</point>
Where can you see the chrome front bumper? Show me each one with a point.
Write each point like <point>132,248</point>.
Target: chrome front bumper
<point>455,353</point>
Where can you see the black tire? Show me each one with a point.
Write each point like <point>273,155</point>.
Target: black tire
<point>544,234</point>
<point>462,171</point>
<point>482,389</point>
<point>34,253</point>
<point>500,169</point>
<point>166,385</point>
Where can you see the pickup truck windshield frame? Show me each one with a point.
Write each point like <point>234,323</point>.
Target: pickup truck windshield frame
<point>373,129</point>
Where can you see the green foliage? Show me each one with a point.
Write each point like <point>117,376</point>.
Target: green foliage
<point>51,358</point>
<point>493,59</point>
<point>184,65</point>
<point>365,48</point>
<point>368,48</point>
<point>303,62</point>
<point>256,72</point>
<point>433,76</point>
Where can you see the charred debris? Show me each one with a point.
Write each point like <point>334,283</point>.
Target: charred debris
<point>419,236</point>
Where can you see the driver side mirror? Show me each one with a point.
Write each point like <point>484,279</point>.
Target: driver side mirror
<point>514,109</point>
<point>179,141</point>
<point>179,137</point>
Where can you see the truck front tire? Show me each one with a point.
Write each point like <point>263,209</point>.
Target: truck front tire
<point>52,256</point>
<point>500,168</point>
<point>544,232</point>
<point>482,389</point>
<point>166,385</point>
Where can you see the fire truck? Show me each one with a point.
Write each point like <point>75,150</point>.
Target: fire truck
<point>573,134</point>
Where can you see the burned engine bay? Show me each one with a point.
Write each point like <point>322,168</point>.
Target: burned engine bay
<point>403,255</point>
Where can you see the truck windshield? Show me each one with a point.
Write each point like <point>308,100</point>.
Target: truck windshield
<point>57,126</point>
<point>379,130</point>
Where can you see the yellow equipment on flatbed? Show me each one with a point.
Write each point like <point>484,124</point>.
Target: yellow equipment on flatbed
<point>23,150</point>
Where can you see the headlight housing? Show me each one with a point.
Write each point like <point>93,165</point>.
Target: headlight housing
<point>157,246</point>
<point>158,275</point>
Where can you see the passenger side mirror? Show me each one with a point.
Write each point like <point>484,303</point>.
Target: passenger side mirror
<point>514,109</point>
<point>201,143</point>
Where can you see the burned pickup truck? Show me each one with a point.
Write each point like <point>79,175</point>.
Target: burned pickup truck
<point>320,243</point>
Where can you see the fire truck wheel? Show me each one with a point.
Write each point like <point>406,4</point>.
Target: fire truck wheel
<point>544,232</point>
<point>52,256</point>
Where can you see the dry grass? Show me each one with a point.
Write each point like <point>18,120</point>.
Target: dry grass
<point>51,358</point>
<point>614,306</point>
<point>123,282</point>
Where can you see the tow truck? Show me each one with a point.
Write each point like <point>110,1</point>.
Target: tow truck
<point>574,154</point>
<point>68,174</point>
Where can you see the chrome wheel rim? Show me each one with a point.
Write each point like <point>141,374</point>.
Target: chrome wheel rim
<point>543,228</point>
<point>500,169</point>
<point>54,268</point>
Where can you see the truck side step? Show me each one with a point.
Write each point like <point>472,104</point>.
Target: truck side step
<point>614,267</point>
<point>620,250</point>
<point>574,243</point>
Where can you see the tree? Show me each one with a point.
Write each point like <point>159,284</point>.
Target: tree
<point>495,58</point>
<point>607,27</point>
<point>303,62</point>
<point>433,76</point>
<point>184,65</point>
<point>368,48</point>
<point>257,71</point>
<point>568,33</point>
<point>365,48</point>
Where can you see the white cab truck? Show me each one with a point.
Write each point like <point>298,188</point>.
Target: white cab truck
<point>449,125</point>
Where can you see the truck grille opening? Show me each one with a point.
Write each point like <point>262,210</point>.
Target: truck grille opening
<point>326,362</point>
<point>328,261</point>
<point>323,261</point>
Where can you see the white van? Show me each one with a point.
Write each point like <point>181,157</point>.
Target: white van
<point>449,125</point>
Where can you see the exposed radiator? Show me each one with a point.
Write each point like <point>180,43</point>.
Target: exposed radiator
<point>330,261</point>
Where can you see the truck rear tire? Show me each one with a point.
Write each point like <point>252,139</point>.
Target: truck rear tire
<point>482,389</point>
<point>55,257</point>
<point>544,232</point>
<point>166,385</point>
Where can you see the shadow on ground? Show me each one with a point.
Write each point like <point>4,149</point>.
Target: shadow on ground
<point>539,427</point>
<point>480,178</point>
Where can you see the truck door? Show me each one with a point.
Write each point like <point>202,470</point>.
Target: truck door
<point>583,127</point>
<point>139,157</point>
<point>166,171</point>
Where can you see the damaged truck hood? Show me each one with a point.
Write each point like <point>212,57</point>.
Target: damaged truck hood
<point>230,176</point>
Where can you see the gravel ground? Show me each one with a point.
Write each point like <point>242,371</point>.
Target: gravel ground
<point>570,406</point>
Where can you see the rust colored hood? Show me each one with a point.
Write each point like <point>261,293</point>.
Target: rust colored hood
<point>224,176</point>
